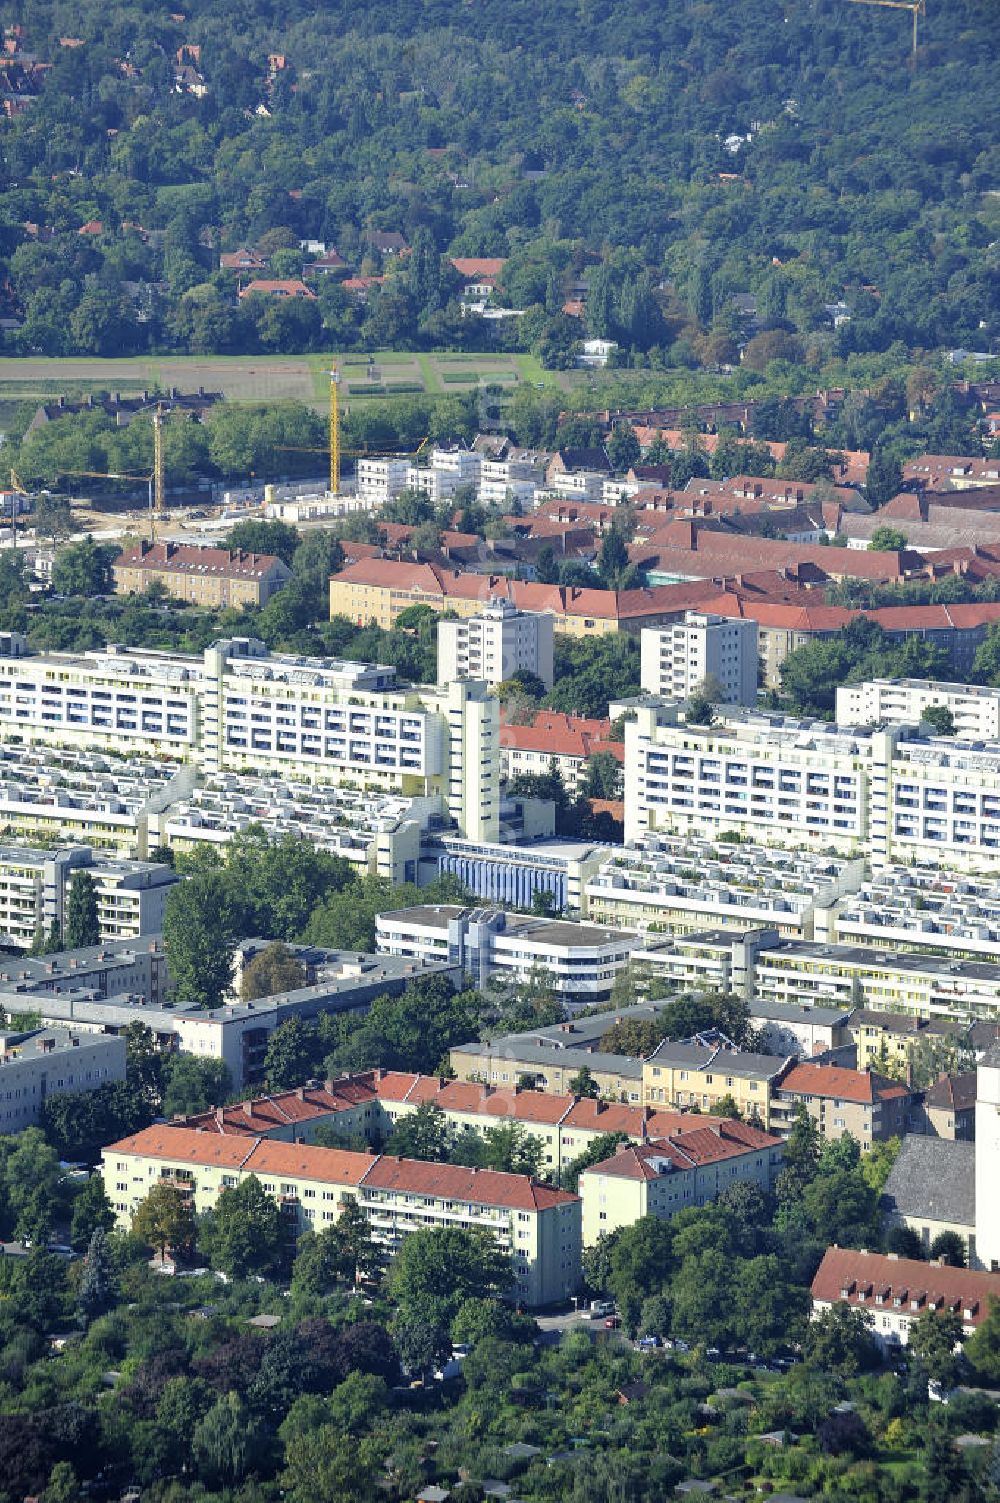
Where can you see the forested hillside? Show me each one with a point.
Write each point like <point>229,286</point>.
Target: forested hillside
<point>584,141</point>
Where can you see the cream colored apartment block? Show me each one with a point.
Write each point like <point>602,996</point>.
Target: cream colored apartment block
<point>539,1227</point>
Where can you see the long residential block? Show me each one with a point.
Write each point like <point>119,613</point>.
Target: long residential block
<point>104,989</point>
<point>540,1227</point>
<point>894,794</point>
<point>243,709</point>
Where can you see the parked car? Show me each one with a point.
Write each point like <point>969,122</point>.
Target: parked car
<point>612,1323</point>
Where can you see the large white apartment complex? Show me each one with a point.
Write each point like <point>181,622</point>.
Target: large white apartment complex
<point>540,1227</point>
<point>244,709</point>
<point>894,794</point>
<point>680,658</point>
<point>975,708</point>
<point>494,645</point>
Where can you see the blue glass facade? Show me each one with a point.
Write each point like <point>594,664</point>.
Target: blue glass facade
<point>510,883</point>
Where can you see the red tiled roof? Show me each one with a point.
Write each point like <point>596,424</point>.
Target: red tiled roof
<point>280,287</point>
<point>561,735</point>
<point>512,1104</point>
<point>285,1107</point>
<point>184,558</point>
<point>479,268</point>
<point>338,1166</point>
<point>516,1192</point>
<point>686,1148</point>
<point>184,1145</point>
<point>865,1275</point>
<point>862,1086</point>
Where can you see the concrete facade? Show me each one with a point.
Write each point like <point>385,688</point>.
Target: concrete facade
<point>677,660</point>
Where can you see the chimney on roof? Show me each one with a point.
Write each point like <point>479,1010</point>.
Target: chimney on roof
<point>220,1115</point>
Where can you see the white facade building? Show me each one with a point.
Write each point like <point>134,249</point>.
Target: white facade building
<point>893,794</point>
<point>679,658</point>
<point>988,1161</point>
<point>35,886</point>
<point>448,470</point>
<point>242,709</point>
<point>495,644</point>
<point>52,1062</point>
<point>381,480</point>
<point>579,961</point>
<point>975,708</point>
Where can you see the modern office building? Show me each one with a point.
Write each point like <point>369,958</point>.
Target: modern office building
<point>685,656</point>
<point>578,961</point>
<point>243,709</point>
<point>495,644</point>
<point>40,1063</point>
<point>514,875</point>
<point>540,1227</point>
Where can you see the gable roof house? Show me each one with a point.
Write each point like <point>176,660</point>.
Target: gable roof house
<point>284,287</point>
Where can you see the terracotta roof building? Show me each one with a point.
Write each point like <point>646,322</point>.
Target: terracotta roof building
<point>870,1107</point>
<point>539,1226</point>
<point>897,1291</point>
<point>209,577</point>
<point>271,287</point>
<point>567,740</point>
<point>688,1167</point>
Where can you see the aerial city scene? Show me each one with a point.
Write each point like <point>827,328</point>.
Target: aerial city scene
<point>500,751</point>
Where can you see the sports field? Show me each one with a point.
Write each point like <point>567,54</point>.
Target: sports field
<point>249,378</point>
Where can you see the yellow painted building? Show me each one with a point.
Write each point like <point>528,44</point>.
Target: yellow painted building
<point>379,589</point>
<point>209,577</point>
<point>700,1076</point>
<point>665,1175</point>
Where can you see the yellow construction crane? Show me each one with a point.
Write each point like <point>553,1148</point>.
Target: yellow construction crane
<point>918,8</point>
<point>334,432</point>
<point>159,467</point>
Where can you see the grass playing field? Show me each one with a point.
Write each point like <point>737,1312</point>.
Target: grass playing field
<point>257,378</point>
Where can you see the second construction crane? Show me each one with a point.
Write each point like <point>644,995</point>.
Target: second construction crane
<point>918,8</point>
<point>334,432</point>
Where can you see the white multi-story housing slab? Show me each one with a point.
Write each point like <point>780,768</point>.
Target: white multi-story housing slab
<point>495,644</point>
<point>677,659</point>
<point>243,709</point>
<point>579,961</point>
<point>52,1062</point>
<point>975,708</point>
<point>892,794</point>
<point>778,780</point>
<point>763,967</point>
<point>449,469</point>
